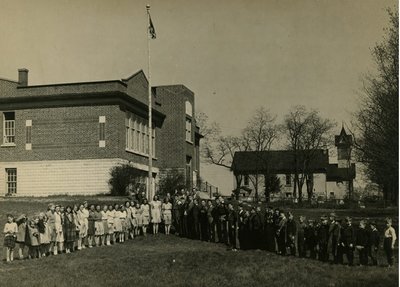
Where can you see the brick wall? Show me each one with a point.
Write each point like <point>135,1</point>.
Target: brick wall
<point>68,133</point>
<point>172,144</point>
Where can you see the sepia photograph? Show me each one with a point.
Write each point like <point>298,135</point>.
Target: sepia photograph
<point>199,143</point>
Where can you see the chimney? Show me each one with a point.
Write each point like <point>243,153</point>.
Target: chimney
<point>23,77</point>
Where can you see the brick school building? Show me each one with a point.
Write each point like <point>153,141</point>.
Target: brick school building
<point>65,138</point>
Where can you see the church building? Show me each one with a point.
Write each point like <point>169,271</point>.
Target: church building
<point>327,180</point>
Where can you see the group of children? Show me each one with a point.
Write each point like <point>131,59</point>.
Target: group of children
<point>66,229</point>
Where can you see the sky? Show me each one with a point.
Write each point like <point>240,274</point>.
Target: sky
<point>235,55</point>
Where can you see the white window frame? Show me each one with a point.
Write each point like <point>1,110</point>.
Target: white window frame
<point>11,181</point>
<point>28,135</point>
<point>8,130</point>
<point>137,135</point>
<point>188,128</point>
<point>102,131</point>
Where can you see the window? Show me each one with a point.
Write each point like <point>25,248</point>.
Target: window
<point>246,180</point>
<point>137,135</point>
<point>188,130</point>
<point>8,128</point>
<point>28,135</point>
<point>102,131</point>
<point>128,134</point>
<point>11,174</point>
<point>153,141</point>
<point>188,109</point>
<point>288,180</point>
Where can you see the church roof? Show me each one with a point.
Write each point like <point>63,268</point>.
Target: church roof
<point>277,162</point>
<point>343,138</point>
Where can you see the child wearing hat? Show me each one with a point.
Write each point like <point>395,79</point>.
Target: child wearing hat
<point>389,240</point>
<point>10,230</point>
<point>374,241</point>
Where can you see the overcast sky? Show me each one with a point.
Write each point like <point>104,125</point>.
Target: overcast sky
<point>235,55</point>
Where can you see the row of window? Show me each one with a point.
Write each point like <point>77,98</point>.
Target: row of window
<point>288,180</point>
<point>9,131</point>
<point>137,132</point>
<point>137,135</point>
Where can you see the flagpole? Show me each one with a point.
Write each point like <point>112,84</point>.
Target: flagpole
<point>150,100</point>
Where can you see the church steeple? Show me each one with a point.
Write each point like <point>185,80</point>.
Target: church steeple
<point>343,142</point>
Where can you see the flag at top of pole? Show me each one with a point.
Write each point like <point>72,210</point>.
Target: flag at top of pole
<point>152,30</point>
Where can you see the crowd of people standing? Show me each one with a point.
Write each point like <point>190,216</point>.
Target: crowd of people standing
<point>240,226</point>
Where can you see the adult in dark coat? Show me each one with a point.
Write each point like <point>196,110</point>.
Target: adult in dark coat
<point>232,226</point>
<point>276,220</point>
<point>183,218</point>
<point>373,243</point>
<point>347,238</point>
<point>262,242</point>
<point>188,217</point>
<point>301,227</point>
<point>269,231</point>
<point>176,218</point>
<point>245,241</point>
<point>255,229</point>
<point>291,234</point>
<point>211,221</point>
<point>195,220</point>
<point>281,234</point>
<point>221,213</point>
<point>323,237</point>
<point>362,243</point>
<point>203,221</point>
<point>310,234</point>
<point>334,230</point>
<point>241,226</point>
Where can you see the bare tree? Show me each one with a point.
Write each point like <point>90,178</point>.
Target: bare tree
<point>307,133</point>
<point>376,126</point>
<point>259,134</point>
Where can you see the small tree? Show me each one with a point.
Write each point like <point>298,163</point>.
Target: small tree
<point>172,180</point>
<point>272,185</point>
<point>122,177</point>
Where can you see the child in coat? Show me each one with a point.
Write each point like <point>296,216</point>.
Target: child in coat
<point>10,233</point>
<point>374,241</point>
<point>21,234</point>
<point>362,243</point>
<point>44,237</point>
<point>33,233</point>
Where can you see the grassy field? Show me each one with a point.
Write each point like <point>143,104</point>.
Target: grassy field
<point>171,261</point>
